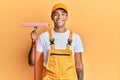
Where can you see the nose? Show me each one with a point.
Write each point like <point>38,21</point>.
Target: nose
<point>59,16</point>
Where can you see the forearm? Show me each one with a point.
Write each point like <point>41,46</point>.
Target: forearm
<point>79,66</point>
<point>31,56</point>
<point>33,47</point>
<point>80,73</point>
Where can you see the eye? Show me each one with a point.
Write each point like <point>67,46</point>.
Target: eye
<point>55,14</point>
<point>63,14</point>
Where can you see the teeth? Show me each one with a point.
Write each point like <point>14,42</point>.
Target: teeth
<point>59,20</point>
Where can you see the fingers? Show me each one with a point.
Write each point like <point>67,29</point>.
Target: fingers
<point>34,35</point>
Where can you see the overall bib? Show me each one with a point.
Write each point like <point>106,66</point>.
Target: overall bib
<point>60,64</point>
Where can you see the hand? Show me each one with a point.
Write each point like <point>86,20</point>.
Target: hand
<point>34,35</point>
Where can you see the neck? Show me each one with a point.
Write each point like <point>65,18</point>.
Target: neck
<point>60,30</point>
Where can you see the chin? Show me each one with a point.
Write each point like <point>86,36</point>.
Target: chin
<point>60,25</point>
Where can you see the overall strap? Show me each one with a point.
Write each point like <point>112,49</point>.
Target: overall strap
<point>69,40</point>
<point>51,40</point>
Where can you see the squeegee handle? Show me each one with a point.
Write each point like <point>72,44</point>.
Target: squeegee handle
<point>35,62</point>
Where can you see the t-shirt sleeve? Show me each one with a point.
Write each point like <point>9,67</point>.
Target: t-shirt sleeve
<point>39,44</point>
<point>78,44</point>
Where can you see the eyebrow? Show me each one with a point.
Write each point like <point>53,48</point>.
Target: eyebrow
<point>63,11</point>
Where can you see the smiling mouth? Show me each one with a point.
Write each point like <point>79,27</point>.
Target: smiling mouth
<point>59,21</point>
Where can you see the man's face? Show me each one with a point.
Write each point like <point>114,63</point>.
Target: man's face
<point>59,17</point>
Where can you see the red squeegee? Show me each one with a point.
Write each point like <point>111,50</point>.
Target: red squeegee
<point>35,25</point>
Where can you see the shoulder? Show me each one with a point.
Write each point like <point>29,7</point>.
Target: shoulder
<point>43,35</point>
<point>75,35</point>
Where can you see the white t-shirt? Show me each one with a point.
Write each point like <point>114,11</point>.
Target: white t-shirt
<point>61,40</point>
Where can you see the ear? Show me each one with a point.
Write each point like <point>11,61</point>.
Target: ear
<point>51,17</point>
<point>66,17</point>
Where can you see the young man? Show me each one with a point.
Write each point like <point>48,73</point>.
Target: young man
<point>62,49</point>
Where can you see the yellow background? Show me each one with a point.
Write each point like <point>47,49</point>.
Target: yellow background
<point>96,21</point>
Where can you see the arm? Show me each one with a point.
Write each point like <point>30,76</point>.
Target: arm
<point>31,52</point>
<point>79,66</point>
<point>31,56</point>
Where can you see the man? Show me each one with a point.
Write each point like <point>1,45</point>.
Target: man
<point>62,49</point>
